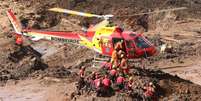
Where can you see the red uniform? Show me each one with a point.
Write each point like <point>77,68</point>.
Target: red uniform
<point>81,73</point>
<point>19,40</point>
<point>106,82</point>
<point>113,72</point>
<point>124,66</point>
<point>118,46</point>
<point>149,91</point>
<point>124,63</point>
<point>97,83</point>
<point>129,85</point>
<point>114,59</point>
<point>126,71</point>
<point>120,80</point>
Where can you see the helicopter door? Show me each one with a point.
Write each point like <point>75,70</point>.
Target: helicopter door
<point>130,48</point>
<point>106,45</point>
<point>116,40</point>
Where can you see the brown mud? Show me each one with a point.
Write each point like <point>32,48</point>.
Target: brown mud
<point>54,69</point>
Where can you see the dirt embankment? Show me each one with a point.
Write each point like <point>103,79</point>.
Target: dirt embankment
<point>124,11</point>
<point>66,61</point>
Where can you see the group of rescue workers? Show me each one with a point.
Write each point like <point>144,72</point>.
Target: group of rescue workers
<point>113,76</point>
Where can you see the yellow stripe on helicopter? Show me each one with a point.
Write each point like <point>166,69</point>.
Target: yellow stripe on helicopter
<point>89,44</point>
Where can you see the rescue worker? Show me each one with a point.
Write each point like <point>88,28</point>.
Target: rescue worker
<point>124,64</point>
<point>149,92</point>
<point>97,84</point>
<point>114,59</point>
<point>106,82</point>
<point>88,85</point>
<point>19,40</point>
<point>120,81</point>
<point>81,82</point>
<point>81,72</point>
<point>142,60</point>
<point>130,84</point>
<point>113,75</point>
<point>93,75</point>
<point>121,54</point>
<point>118,46</point>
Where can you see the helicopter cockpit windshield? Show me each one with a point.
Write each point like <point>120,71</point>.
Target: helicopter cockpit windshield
<point>141,43</point>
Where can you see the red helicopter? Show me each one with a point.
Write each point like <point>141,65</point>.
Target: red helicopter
<point>100,38</point>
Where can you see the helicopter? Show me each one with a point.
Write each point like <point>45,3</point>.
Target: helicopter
<point>101,38</point>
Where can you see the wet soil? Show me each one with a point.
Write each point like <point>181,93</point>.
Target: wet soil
<point>50,69</point>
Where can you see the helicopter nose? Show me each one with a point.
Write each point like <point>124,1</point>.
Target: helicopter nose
<point>153,51</point>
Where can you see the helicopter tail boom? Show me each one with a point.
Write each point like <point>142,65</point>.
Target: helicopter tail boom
<point>14,21</point>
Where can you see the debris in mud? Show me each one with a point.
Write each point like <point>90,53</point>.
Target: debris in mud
<point>23,51</point>
<point>26,61</point>
<point>176,52</point>
<point>27,68</point>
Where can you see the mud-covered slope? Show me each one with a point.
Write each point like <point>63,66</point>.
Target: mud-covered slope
<point>68,58</point>
<point>168,87</point>
<point>121,9</point>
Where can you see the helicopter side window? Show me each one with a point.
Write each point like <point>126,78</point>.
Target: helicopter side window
<point>140,42</point>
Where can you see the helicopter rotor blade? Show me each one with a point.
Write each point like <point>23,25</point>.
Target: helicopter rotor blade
<point>60,10</point>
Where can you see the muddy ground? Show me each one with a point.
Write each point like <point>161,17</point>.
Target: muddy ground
<point>51,73</point>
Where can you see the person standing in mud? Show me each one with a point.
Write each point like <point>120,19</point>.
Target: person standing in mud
<point>124,64</point>
<point>149,92</point>
<point>81,72</point>
<point>81,82</point>
<point>106,85</point>
<point>19,40</point>
<point>93,75</point>
<point>130,84</point>
<point>88,85</point>
<point>97,83</point>
<point>113,75</point>
<point>120,82</point>
<point>115,60</point>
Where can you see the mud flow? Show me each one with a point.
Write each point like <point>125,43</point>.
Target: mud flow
<point>49,71</point>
